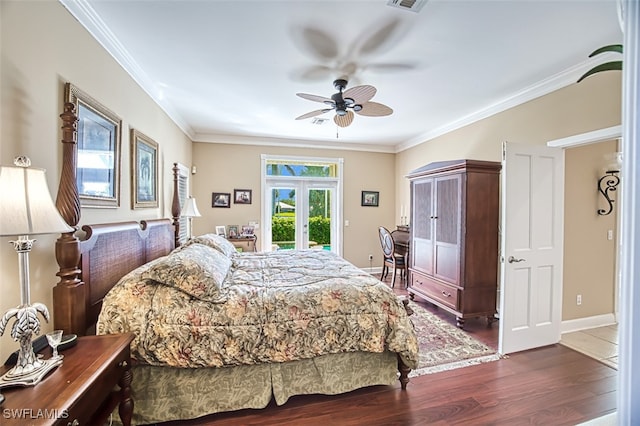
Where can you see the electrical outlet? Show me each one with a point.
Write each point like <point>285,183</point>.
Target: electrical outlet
<point>370,257</point>
<point>579,300</point>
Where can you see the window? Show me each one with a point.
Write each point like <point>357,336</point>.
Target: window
<point>183,193</point>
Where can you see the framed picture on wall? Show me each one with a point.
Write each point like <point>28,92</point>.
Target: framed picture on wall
<point>144,171</point>
<point>98,154</point>
<point>220,199</point>
<point>370,198</point>
<point>242,196</point>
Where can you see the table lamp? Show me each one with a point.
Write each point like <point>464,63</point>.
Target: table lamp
<point>190,210</point>
<point>26,208</point>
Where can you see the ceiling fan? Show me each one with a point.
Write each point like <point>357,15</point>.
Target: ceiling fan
<point>355,99</point>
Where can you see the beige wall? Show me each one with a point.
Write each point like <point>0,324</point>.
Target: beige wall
<point>593,104</point>
<point>42,48</point>
<point>589,257</point>
<point>223,168</point>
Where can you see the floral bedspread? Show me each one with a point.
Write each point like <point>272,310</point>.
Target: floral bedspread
<point>275,307</point>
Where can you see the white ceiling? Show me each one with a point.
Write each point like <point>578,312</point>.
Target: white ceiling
<point>229,71</point>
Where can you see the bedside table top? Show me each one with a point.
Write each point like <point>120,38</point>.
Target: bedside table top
<point>81,374</point>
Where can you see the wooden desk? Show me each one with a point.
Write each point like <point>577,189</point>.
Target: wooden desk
<point>401,237</point>
<point>244,243</point>
<point>401,240</point>
<point>81,390</point>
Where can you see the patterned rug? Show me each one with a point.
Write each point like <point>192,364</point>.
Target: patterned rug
<point>444,346</point>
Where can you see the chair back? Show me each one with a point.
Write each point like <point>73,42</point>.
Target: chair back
<point>386,241</point>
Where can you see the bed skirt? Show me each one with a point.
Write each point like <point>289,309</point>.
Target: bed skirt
<point>164,393</point>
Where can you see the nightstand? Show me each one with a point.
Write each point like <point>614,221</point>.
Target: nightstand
<point>244,243</point>
<point>79,392</point>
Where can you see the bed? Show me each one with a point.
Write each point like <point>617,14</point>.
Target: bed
<point>217,330</point>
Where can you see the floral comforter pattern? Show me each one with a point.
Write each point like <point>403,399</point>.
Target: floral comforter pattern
<point>277,307</point>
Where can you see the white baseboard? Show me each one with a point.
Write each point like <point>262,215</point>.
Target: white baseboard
<point>587,323</point>
<point>373,270</point>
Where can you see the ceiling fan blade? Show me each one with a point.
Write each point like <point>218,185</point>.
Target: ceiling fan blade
<point>319,43</point>
<point>374,109</point>
<point>313,113</point>
<point>360,94</point>
<point>344,120</point>
<point>391,67</point>
<point>312,73</point>
<point>315,98</point>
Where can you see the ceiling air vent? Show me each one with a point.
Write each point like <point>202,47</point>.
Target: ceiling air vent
<point>412,5</point>
<point>318,121</point>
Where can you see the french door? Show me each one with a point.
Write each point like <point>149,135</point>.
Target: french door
<point>301,213</point>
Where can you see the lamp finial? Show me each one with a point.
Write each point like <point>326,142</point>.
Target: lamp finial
<point>22,161</point>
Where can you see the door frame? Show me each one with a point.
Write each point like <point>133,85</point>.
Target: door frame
<point>302,187</point>
<point>338,208</point>
<point>582,139</point>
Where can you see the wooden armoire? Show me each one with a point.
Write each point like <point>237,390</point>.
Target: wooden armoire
<point>453,255</point>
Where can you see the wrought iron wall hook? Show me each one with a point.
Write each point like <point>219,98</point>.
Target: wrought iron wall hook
<point>607,184</point>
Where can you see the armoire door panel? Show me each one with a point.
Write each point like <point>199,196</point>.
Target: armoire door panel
<point>422,255</point>
<point>447,264</point>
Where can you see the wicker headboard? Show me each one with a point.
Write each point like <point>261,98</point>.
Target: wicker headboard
<point>89,268</point>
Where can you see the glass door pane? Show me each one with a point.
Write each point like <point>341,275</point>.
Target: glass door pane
<point>320,204</point>
<point>283,218</point>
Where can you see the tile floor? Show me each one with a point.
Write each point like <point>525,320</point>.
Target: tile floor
<point>600,343</point>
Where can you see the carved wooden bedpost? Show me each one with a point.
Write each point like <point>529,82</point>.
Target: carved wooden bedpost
<point>175,205</point>
<point>69,299</point>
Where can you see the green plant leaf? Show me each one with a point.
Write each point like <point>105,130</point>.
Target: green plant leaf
<point>609,48</point>
<point>607,66</point>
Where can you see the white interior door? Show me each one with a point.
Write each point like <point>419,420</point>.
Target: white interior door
<point>532,239</point>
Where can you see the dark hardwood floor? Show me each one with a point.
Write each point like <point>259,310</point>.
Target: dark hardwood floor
<point>553,385</point>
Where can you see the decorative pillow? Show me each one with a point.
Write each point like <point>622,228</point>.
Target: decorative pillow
<point>215,241</point>
<point>198,270</point>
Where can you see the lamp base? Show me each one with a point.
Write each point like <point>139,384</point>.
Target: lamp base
<point>15,376</point>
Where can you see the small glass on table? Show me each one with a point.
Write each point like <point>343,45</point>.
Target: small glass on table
<point>54,339</point>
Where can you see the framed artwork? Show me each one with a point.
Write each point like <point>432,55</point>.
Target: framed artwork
<point>370,198</point>
<point>232,231</point>
<point>98,150</point>
<point>242,196</point>
<point>247,230</point>
<point>144,171</point>
<point>220,199</point>
<point>221,230</point>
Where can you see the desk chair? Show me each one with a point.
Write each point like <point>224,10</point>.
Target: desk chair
<point>391,258</point>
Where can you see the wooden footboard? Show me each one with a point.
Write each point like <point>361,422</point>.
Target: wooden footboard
<point>402,367</point>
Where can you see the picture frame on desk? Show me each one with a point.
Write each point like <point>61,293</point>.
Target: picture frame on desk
<point>232,231</point>
<point>247,231</point>
<point>221,230</point>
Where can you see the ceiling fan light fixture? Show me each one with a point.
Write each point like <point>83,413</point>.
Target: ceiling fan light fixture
<point>341,112</point>
<point>357,107</point>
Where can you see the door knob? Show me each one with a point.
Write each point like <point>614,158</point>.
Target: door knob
<point>512,259</point>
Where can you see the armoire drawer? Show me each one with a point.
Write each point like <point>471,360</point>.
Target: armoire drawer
<point>442,293</point>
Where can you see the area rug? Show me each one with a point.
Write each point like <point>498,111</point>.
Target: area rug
<point>444,346</point>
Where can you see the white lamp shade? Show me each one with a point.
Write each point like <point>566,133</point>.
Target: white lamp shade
<point>26,207</point>
<point>190,208</point>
